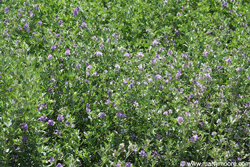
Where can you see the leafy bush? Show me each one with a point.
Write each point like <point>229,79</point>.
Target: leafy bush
<point>124,83</point>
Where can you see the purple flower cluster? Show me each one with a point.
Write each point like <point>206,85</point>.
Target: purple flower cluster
<point>60,117</point>
<point>24,126</point>
<point>180,120</point>
<point>98,54</point>
<point>60,22</point>
<point>102,115</point>
<point>43,119</point>
<point>158,77</point>
<point>76,11</point>
<point>128,164</point>
<point>88,107</point>
<point>119,114</point>
<point>83,25</point>
<point>51,122</point>
<point>42,106</point>
<point>223,4</point>
<point>155,43</point>
<point>25,139</point>
<point>7,10</point>
<point>67,51</point>
<point>142,153</point>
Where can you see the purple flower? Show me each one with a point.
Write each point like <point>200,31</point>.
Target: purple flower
<point>127,54</point>
<point>20,28</point>
<point>159,136</point>
<point>88,109</point>
<point>67,52</point>
<point>208,32</point>
<point>6,21</point>
<point>107,102</point>
<point>40,22</point>
<point>94,38</point>
<point>53,47</point>
<point>51,122</point>
<point>50,57</point>
<point>51,159</point>
<point>117,66</point>
<point>15,157</point>
<point>228,60</point>
<point>180,120</point>
<point>6,10</point>
<point>89,67</point>
<point>178,14</point>
<point>125,81</point>
<point>83,25</point>
<point>239,69</point>
<point>87,105</point>
<point>118,165</point>
<point>157,56</point>
<point>102,115</point>
<point>178,74</point>
<point>194,138</point>
<point>170,52</point>
<point>59,165</point>
<point>26,25</point>
<point>223,4</point>
<point>155,43</point>
<point>139,54</point>
<point>133,136</point>
<point>60,22</point>
<point>118,114</point>
<point>43,119</point>
<point>158,77</point>
<point>131,85</point>
<point>15,146</point>
<point>78,65</point>
<point>10,89</point>
<point>67,123</point>
<point>176,32</point>
<point>24,126</point>
<point>123,115</point>
<point>205,54</point>
<point>60,117</point>
<point>140,67</point>
<point>128,164</point>
<point>75,12</point>
<point>183,163</point>
<point>58,133</point>
<point>44,105</point>
<point>165,113</point>
<point>25,139</point>
<point>98,53</point>
<point>142,153</point>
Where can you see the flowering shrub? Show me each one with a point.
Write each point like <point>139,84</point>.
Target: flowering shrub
<point>124,83</point>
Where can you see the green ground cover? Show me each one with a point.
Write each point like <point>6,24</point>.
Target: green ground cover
<point>124,83</point>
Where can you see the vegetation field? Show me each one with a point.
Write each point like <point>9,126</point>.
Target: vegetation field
<point>124,83</point>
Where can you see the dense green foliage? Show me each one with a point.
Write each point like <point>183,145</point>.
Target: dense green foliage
<point>122,82</point>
